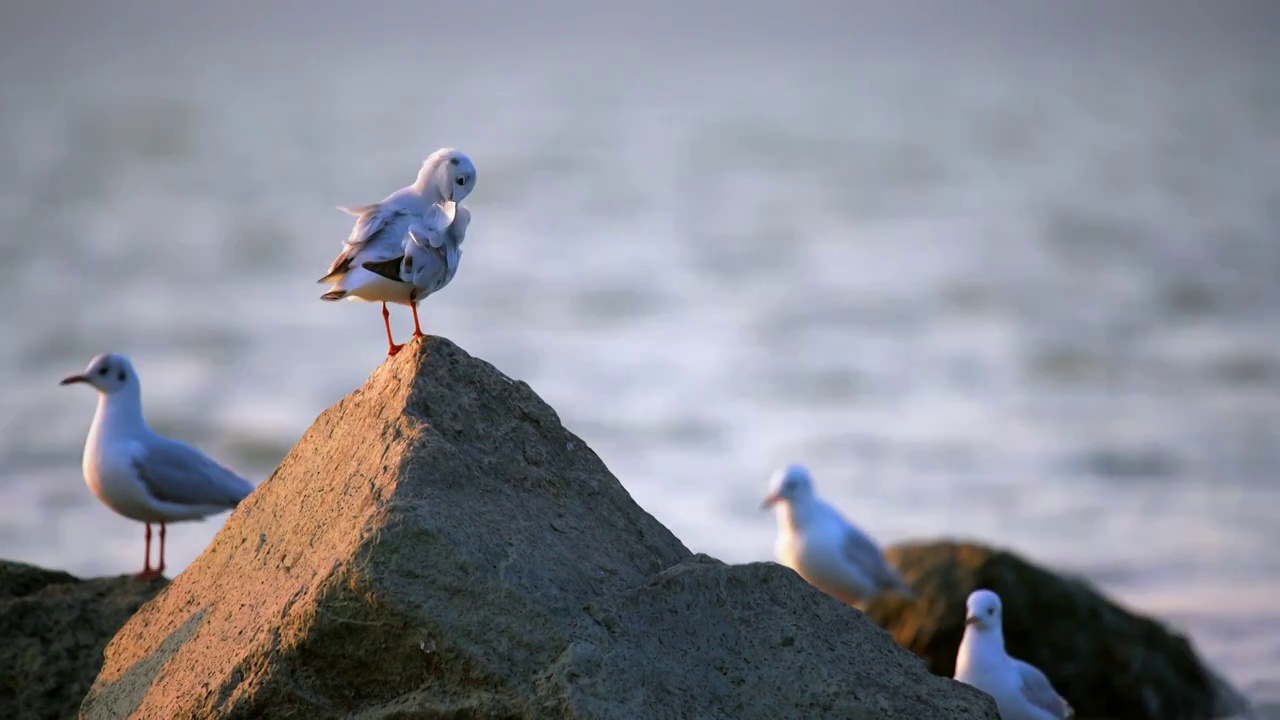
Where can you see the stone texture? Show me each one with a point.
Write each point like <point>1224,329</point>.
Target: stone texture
<point>53,628</point>
<point>437,545</point>
<point>1106,661</point>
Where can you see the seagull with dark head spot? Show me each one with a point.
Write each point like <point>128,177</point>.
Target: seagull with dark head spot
<point>824,548</point>
<point>409,245</point>
<point>1020,690</point>
<point>139,474</point>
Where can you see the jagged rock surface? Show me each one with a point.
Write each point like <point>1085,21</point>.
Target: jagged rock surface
<point>53,628</point>
<point>438,545</point>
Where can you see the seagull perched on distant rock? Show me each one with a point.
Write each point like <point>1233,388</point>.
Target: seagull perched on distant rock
<point>817,542</point>
<point>1020,690</point>
<point>409,245</point>
<point>142,475</point>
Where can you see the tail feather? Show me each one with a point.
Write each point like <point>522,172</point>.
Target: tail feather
<point>334,295</point>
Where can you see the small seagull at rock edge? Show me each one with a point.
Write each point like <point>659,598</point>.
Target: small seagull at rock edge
<point>1020,690</point>
<point>142,475</point>
<point>828,551</point>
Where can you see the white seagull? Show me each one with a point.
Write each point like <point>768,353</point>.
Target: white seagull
<point>407,246</point>
<point>817,542</point>
<point>1020,690</point>
<point>139,474</point>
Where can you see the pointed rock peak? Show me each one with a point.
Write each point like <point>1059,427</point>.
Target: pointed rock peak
<point>433,507</point>
<point>438,545</point>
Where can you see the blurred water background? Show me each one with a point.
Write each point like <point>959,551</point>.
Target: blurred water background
<point>1005,271</point>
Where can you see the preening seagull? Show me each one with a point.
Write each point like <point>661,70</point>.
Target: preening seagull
<point>409,245</point>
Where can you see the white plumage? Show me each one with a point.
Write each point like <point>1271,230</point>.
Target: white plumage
<point>142,475</point>
<point>1020,690</point>
<point>409,245</point>
<point>816,541</point>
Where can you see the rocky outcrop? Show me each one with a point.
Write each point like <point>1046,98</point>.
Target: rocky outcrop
<point>53,628</point>
<point>1106,661</point>
<point>438,545</point>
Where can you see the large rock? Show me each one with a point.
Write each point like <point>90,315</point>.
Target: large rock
<point>53,628</point>
<point>1106,661</point>
<point>438,546</point>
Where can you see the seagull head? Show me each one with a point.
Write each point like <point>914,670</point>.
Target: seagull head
<point>983,610</point>
<point>108,373</point>
<point>450,173</point>
<point>788,485</point>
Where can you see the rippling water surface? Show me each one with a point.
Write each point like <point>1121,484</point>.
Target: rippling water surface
<point>1017,291</point>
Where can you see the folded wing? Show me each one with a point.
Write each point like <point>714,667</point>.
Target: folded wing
<point>1038,691</point>
<point>863,552</point>
<point>177,473</point>
<point>374,224</point>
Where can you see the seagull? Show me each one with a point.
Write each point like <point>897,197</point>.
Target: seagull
<point>1020,690</point>
<point>407,246</point>
<point>817,542</point>
<point>139,474</point>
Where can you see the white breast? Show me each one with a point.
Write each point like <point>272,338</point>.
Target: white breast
<point>109,473</point>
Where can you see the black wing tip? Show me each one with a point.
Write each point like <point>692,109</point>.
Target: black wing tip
<point>389,269</point>
<point>334,295</point>
<point>339,269</point>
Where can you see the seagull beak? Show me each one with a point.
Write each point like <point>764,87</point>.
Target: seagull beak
<point>769,501</point>
<point>971,620</point>
<point>74,379</point>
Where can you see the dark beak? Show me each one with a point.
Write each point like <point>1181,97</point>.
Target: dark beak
<point>74,379</point>
<point>971,620</point>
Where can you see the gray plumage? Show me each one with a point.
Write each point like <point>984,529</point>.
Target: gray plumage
<point>381,261</point>
<point>1038,691</point>
<point>175,472</point>
<point>863,552</point>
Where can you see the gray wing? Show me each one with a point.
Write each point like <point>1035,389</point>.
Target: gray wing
<point>1038,691</point>
<point>177,473</point>
<point>373,222</point>
<point>432,258</point>
<point>429,268</point>
<point>863,552</point>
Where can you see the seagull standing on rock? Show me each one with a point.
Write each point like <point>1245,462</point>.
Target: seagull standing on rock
<point>139,474</point>
<point>1020,690</point>
<point>409,245</point>
<point>817,542</point>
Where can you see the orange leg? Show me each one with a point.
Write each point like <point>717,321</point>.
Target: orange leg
<point>149,573</point>
<point>392,348</point>
<point>413,303</point>
<point>160,569</point>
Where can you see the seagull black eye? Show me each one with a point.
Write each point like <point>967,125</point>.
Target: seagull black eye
<point>991,611</point>
<point>455,162</point>
<point>462,181</point>
<point>120,377</point>
<point>103,370</point>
